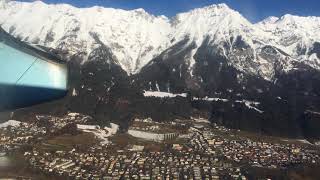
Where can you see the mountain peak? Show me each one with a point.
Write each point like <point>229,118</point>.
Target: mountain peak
<point>218,6</point>
<point>290,17</point>
<point>209,19</point>
<point>269,20</point>
<point>140,10</point>
<point>37,3</point>
<point>214,8</point>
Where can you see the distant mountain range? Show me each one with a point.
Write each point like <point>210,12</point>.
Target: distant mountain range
<point>268,72</point>
<point>135,37</point>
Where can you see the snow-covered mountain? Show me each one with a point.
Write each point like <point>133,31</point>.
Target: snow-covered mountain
<point>135,37</point>
<point>297,36</point>
<point>286,41</point>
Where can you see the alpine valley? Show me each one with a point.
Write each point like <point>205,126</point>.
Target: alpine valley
<point>212,62</point>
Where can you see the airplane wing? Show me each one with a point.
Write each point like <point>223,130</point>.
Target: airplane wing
<point>28,74</point>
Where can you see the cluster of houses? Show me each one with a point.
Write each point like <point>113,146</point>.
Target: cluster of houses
<point>139,164</point>
<point>255,153</point>
<point>54,124</point>
<point>262,154</point>
<point>201,153</point>
<point>194,159</point>
<point>13,134</point>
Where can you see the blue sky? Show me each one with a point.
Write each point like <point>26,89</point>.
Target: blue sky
<point>254,10</point>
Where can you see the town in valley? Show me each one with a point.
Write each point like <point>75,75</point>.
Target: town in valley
<point>71,147</point>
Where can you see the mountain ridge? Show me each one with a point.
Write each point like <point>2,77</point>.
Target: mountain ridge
<point>140,36</point>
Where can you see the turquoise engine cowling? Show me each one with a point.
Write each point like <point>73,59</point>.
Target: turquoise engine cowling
<point>28,74</point>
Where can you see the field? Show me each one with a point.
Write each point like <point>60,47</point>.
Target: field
<point>68,142</point>
<point>163,128</point>
<point>124,140</point>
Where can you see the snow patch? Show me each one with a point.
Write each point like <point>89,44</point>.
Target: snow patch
<point>211,99</point>
<point>250,105</point>
<point>101,134</point>
<point>74,92</point>
<point>112,130</point>
<point>87,127</point>
<point>200,120</point>
<point>162,94</point>
<point>12,123</point>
